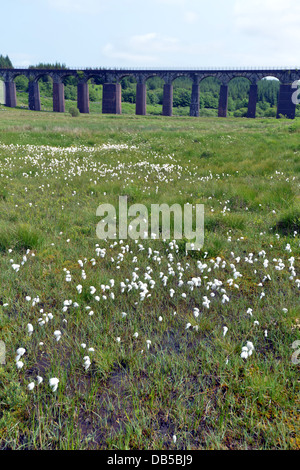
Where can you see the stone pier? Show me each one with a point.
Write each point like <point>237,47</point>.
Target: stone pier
<point>195,101</point>
<point>223,101</point>
<point>141,99</point>
<point>83,100</point>
<point>10,94</point>
<point>34,101</point>
<point>168,100</point>
<point>58,97</point>
<point>286,107</point>
<point>252,101</point>
<point>111,98</point>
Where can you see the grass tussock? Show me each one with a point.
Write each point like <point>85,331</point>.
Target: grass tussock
<point>20,236</point>
<point>289,221</point>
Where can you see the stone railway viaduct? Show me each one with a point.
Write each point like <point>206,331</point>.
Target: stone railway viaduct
<point>111,101</point>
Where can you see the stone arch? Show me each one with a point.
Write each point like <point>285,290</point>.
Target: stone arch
<point>184,95</point>
<point>154,90</point>
<point>15,80</point>
<point>250,91</point>
<point>270,75</point>
<point>70,81</point>
<point>130,92</point>
<point>263,79</point>
<point>9,91</point>
<point>41,83</point>
<point>21,84</point>
<point>89,92</point>
<point>169,78</point>
<point>141,80</point>
<point>210,86</point>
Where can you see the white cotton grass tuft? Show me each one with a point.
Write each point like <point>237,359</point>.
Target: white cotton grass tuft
<point>225,329</point>
<point>53,382</point>
<point>79,288</point>
<point>31,386</point>
<point>30,328</point>
<point>247,350</point>
<point>57,335</point>
<point>20,353</point>
<point>196,312</point>
<point>86,362</point>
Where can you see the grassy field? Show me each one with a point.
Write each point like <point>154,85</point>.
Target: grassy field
<point>146,340</point>
<point>96,106</point>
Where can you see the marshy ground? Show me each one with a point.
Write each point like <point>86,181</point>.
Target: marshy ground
<point>146,340</point>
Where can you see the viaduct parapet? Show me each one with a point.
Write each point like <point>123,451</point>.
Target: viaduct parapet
<point>111,101</point>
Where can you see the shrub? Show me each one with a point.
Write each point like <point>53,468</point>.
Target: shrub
<point>74,111</point>
<point>282,116</point>
<point>271,112</point>
<point>242,112</point>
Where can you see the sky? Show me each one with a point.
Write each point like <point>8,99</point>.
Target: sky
<point>151,33</point>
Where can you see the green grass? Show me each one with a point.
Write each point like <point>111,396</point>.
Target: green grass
<point>55,170</point>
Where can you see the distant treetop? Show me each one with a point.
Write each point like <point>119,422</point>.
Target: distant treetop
<point>57,65</point>
<point>5,62</point>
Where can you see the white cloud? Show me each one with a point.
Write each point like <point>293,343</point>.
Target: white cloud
<point>155,49</point>
<point>271,19</point>
<point>269,30</point>
<point>146,49</point>
<point>111,52</point>
<point>154,42</point>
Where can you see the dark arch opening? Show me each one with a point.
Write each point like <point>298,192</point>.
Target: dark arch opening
<point>128,94</point>
<point>21,83</point>
<point>155,93</point>
<point>209,96</point>
<point>95,91</point>
<point>70,90</point>
<point>45,85</point>
<point>182,89</point>
<point>267,96</point>
<point>238,96</point>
